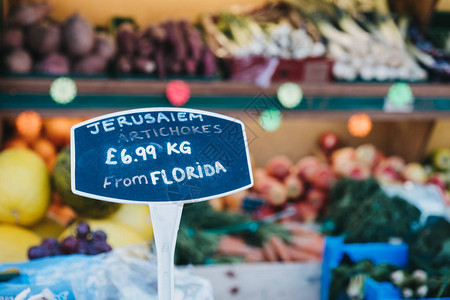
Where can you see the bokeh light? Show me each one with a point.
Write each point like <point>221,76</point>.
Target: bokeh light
<point>400,94</point>
<point>63,90</point>
<point>290,94</point>
<point>178,92</point>
<point>270,119</point>
<point>359,125</point>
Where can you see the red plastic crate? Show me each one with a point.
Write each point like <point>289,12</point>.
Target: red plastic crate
<point>250,69</point>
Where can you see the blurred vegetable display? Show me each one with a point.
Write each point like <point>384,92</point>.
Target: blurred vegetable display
<point>424,276</point>
<point>275,30</point>
<point>320,183</point>
<point>365,41</point>
<point>268,44</point>
<point>209,236</point>
<point>170,48</point>
<point>364,203</point>
<point>348,280</point>
<point>429,248</point>
<point>34,43</point>
<point>435,60</point>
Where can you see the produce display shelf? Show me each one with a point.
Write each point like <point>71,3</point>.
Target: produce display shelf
<point>336,100</point>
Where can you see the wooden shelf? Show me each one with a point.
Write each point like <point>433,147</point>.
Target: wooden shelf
<point>322,101</point>
<point>148,87</point>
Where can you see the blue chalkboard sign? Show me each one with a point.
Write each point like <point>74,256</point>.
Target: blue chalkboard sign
<point>159,155</point>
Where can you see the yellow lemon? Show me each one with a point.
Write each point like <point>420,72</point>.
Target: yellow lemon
<point>15,242</point>
<point>24,187</point>
<point>136,217</point>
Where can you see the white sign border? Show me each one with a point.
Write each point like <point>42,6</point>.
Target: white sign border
<point>155,109</point>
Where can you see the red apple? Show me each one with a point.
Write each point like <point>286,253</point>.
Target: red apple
<point>328,142</point>
<point>273,191</point>
<point>342,159</point>
<point>316,198</point>
<point>438,179</point>
<point>259,177</point>
<point>396,162</point>
<point>306,166</point>
<point>367,154</point>
<point>263,183</point>
<point>279,167</point>
<point>414,172</point>
<point>359,171</point>
<point>294,186</point>
<point>277,194</point>
<point>309,172</point>
<point>323,177</point>
<point>385,173</point>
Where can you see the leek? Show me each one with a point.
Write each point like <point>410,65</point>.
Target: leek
<point>387,26</point>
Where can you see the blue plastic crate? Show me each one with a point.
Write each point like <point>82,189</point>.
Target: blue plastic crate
<point>335,248</point>
<point>374,290</point>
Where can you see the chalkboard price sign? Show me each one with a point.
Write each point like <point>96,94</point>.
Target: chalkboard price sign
<point>159,155</point>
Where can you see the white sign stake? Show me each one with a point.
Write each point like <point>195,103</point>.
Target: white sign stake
<point>165,221</point>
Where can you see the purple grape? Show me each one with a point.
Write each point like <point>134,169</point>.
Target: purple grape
<point>101,247</point>
<point>91,249</point>
<point>83,230</point>
<point>83,247</point>
<point>99,235</point>
<point>49,243</point>
<point>69,245</point>
<point>52,246</point>
<point>38,252</point>
<point>56,251</point>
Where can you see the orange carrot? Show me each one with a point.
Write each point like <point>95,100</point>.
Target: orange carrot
<point>280,248</point>
<point>232,245</point>
<point>312,245</point>
<point>236,246</point>
<point>254,254</point>
<point>269,252</point>
<point>301,256</point>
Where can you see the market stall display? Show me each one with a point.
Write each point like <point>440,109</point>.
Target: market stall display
<point>293,40</point>
<point>346,102</point>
